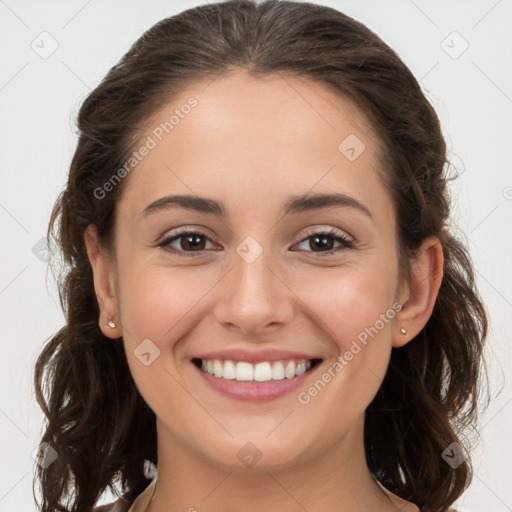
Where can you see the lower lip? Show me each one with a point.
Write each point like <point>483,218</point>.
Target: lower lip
<point>255,391</point>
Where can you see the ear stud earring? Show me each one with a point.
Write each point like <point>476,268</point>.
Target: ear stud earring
<point>403,331</point>
<point>111,324</point>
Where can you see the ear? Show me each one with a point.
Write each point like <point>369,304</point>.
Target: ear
<point>104,282</point>
<point>420,293</point>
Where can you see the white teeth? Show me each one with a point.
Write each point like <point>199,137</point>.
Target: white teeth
<point>260,372</point>
<point>278,371</point>
<point>289,371</point>
<point>217,368</point>
<point>244,371</point>
<point>301,368</point>
<point>229,370</point>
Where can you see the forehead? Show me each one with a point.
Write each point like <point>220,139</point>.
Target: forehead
<point>243,138</point>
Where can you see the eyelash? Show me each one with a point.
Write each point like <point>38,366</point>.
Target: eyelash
<point>332,233</point>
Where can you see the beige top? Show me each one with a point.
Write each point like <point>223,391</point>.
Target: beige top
<point>141,502</point>
<point>123,505</point>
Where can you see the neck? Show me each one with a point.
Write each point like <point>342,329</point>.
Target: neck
<point>336,479</point>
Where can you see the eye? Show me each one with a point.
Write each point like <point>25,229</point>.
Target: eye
<point>323,240</point>
<point>192,243</point>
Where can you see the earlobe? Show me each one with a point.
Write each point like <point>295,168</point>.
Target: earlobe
<point>104,285</point>
<point>425,280</point>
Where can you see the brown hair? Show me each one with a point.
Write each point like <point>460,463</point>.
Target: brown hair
<point>98,423</point>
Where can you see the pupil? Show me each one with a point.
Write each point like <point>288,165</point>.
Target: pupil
<point>194,244</point>
<point>322,244</point>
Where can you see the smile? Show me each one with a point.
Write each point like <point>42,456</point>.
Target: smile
<point>264,371</point>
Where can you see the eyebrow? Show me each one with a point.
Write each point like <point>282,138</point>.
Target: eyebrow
<point>294,204</point>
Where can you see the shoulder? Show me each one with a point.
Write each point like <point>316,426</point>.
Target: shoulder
<point>120,505</point>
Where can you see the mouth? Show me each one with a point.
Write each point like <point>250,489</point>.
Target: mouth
<point>264,371</point>
<point>261,380</point>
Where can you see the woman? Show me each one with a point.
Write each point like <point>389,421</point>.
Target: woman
<point>263,297</point>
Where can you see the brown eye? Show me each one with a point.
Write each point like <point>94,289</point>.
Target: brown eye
<point>323,242</point>
<point>192,242</point>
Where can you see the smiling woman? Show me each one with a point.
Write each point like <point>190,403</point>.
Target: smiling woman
<point>266,303</point>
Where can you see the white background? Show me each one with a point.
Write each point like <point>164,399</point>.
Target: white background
<point>39,99</point>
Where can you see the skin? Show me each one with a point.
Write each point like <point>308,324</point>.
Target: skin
<point>251,143</point>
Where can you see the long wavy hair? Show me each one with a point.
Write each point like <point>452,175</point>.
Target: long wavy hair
<point>96,420</point>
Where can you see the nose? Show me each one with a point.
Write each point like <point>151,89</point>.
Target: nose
<point>255,298</point>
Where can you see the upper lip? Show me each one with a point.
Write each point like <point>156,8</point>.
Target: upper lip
<point>252,356</point>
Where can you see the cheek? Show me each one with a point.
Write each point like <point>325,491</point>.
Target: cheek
<point>354,308</point>
<point>162,305</point>
<point>157,301</point>
<point>351,303</point>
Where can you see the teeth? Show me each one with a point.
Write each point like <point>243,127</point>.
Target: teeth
<point>218,370</point>
<point>301,368</point>
<point>260,372</point>
<point>278,371</point>
<point>229,370</point>
<point>244,371</point>
<point>289,371</point>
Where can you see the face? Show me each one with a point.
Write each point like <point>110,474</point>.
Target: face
<point>257,274</point>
